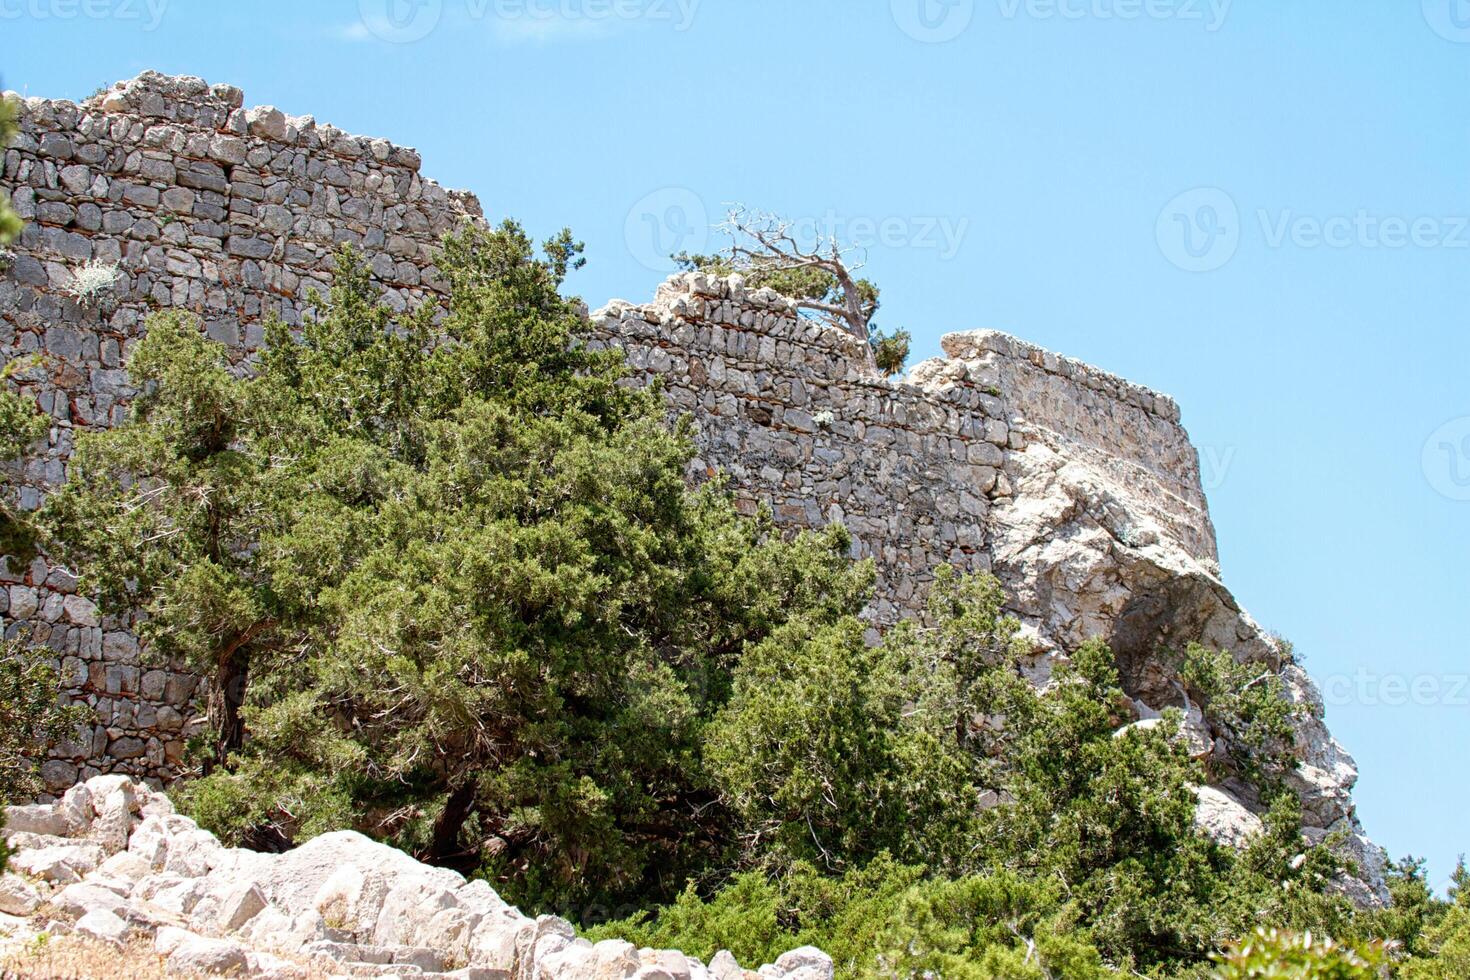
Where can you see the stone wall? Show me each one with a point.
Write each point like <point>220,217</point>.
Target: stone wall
<point>203,206</point>
<point>231,214</point>
<point>912,468</point>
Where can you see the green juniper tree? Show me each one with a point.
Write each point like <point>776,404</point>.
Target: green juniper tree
<point>1441,942</point>
<point>864,769</point>
<point>32,717</point>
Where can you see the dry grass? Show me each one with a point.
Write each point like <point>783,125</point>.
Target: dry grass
<point>79,958</point>
<point>76,958</point>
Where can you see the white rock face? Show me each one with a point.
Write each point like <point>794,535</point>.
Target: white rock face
<point>339,905</point>
<point>1089,543</point>
<point>1224,818</point>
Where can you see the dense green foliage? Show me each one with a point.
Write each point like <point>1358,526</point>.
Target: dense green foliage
<point>1248,704</point>
<point>890,351</point>
<point>1090,836</point>
<point>885,919</point>
<point>1437,934</point>
<point>1270,954</point>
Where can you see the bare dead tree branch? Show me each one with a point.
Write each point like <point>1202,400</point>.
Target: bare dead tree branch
<point>764,242</point>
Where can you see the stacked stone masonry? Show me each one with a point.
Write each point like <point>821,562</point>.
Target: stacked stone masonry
<point>788,412</point>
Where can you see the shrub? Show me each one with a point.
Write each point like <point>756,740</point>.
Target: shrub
<point>1443,950</point>
<point>890,351</point>
<point>886,919</point>
<point>93,282</point>
<point>9,222</point>
<point>1272,953</point>
<point>31,718</point>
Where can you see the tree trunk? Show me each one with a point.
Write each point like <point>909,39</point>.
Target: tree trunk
<point>445,849</point>
<point>230,680</point>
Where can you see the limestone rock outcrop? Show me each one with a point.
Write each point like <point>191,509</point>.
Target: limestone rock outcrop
<point>340,905</point>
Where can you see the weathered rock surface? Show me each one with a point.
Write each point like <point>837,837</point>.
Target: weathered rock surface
<point>1224,818</point>
<point>1078,489</point>
<point>340,905</point>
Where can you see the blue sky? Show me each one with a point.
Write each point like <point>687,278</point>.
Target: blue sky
<point>1257,206</point>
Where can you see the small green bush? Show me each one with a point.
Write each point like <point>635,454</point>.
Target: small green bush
<point>890,351</point>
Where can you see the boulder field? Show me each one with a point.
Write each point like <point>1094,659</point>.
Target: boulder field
<point>112,861</point>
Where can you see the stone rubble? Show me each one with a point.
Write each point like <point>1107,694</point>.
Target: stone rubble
<point>1078,489</point>
<point>341,905</point>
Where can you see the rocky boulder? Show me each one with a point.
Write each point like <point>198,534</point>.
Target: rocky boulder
<point>117,864</point>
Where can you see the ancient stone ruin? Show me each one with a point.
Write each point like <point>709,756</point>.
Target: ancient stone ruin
<point>1080,491</point>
